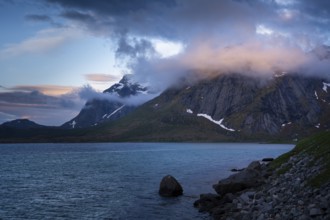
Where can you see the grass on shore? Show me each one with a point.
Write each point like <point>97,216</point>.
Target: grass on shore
<point>317,146</point>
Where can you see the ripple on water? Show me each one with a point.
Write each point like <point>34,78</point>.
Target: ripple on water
<point>114,181</point>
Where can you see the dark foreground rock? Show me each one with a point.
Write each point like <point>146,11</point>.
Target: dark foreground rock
<point>254,194</point>
<point>249,177</point>
<point>170,187</point>
<point>267,159</point>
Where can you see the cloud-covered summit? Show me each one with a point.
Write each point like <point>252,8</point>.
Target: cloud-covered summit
<point>166,42</point>
<point>253,37</point>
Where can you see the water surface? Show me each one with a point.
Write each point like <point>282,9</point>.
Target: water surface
<point>115,180</point>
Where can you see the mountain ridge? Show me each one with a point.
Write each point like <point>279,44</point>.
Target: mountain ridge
<point>231,107</point>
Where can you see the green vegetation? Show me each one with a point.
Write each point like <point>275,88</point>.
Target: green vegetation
<point>317,146</point>
<point>284,169</point>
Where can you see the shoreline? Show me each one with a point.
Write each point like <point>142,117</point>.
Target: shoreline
<point>281,189</point>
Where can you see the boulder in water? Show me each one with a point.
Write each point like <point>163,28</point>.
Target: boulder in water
<point>170,187</point>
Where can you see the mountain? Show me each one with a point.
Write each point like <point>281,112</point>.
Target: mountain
<point>98,111</point>
<point>21,124</point>
<point>229,107</point>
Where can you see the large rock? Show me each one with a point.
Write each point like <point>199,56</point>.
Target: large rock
<point>170,187</point>
<point>207,202</point>
<point>249,177</point>
<point>254,165</point>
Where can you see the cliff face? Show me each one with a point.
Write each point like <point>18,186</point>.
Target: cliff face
<point>235,107</point>
<point>256,106</point>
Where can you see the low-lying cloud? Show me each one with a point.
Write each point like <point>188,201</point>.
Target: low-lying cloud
<point>88,93</point>
<point>55,110</point>
<point>41,108</point>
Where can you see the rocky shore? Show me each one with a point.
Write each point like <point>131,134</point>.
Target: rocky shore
<point>262,192</point>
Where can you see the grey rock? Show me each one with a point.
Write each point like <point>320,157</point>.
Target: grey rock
<point>261,217</point>
<point>315,212</point>
<point>255,165</point>
<point>279,197</point>
<point>237,182</point>
<point>207,202</point>
<point>303,217</point>
<point>170,187</point>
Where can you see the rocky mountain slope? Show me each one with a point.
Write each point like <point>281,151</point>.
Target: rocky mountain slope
<point>97,111</point>
<point>230,107</point>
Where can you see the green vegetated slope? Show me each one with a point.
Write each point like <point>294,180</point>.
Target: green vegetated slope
<point>317,146</point>
<point>161,120</point>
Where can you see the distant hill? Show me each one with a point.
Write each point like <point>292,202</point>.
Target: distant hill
<point>21,124</point>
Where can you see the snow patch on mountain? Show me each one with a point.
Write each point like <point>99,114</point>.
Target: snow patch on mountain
<point>317,97</point>
<point>73,123</point>
<point>189,111</point>
<point>115,111</point>
<point>285,124</point>
<point>279,74</point>
<point>216,122</point>
<point>325,86</point>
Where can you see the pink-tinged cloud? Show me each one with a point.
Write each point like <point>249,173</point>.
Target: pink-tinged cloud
<point>43,41</point>
<point>52,90</point>
<point>100,77</point>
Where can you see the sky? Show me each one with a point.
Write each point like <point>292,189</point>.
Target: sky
<point>53,52</point>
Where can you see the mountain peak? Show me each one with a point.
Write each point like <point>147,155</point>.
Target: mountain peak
<point>125,87</point>
<point>97,111</point>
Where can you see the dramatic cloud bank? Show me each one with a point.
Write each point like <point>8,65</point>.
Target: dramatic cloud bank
<point>250,37</point>
<point>167,42</point>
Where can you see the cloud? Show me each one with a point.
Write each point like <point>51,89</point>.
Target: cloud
<point>43,109</point>
<point>43,41</point>
<point>6,117</point>
<point>134,48</point>
<point>42,18</point>
<point>88,93</point>
<point>100,77</point>
<point>24,102</point>
<point>78,16</point>
<point>252,37</point>
<point>38,18</point>
<point>53,90</point>
<point>114,7</point>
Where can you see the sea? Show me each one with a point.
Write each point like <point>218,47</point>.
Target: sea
<point>116,180</point>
